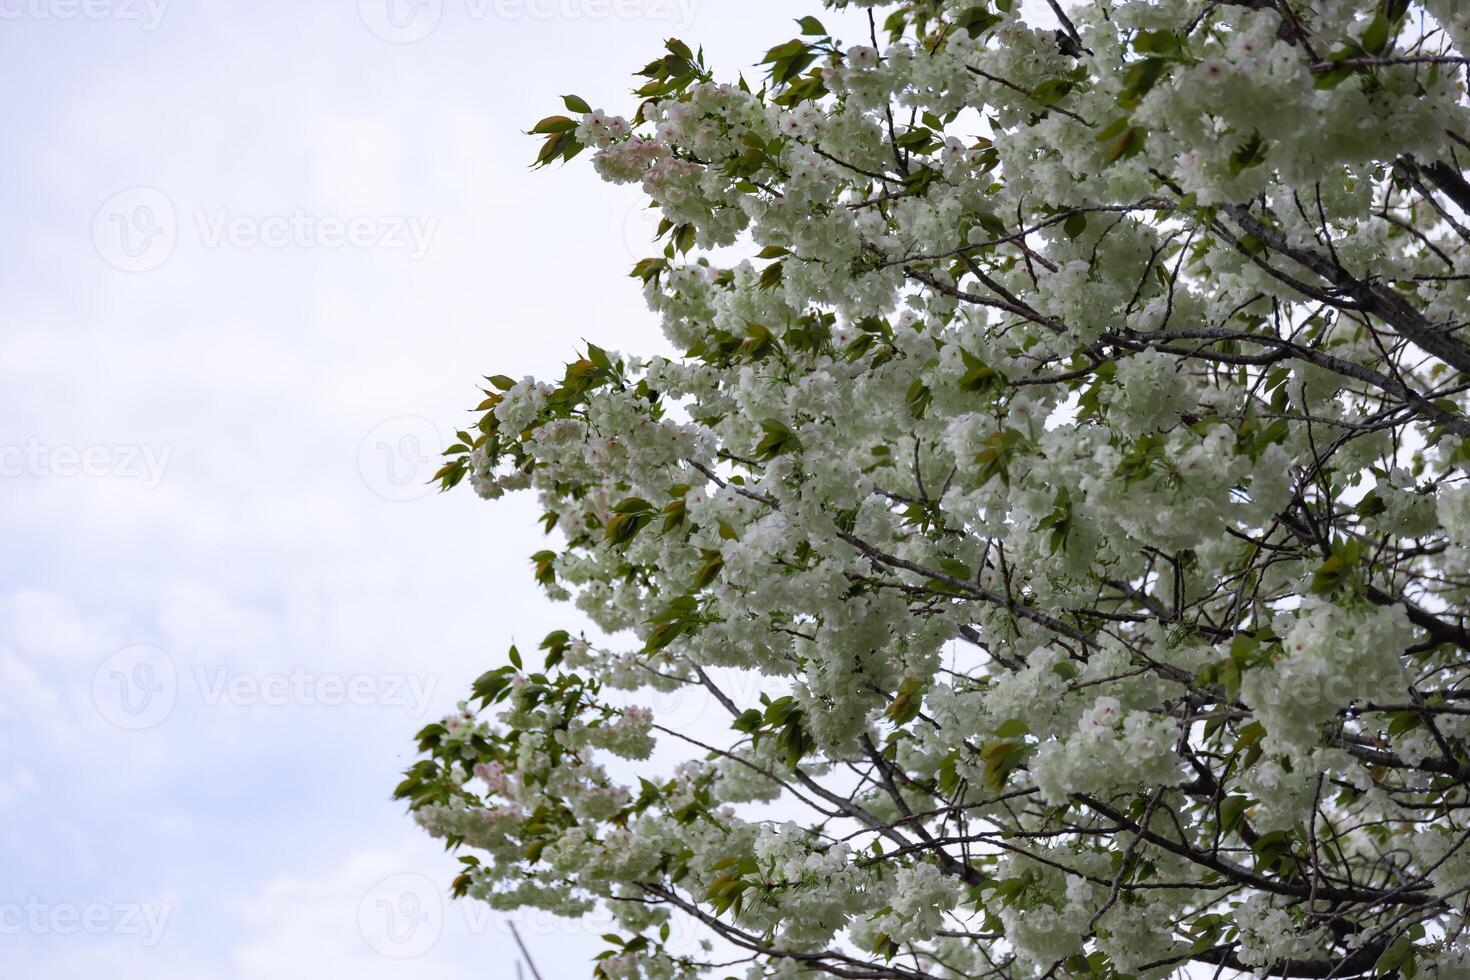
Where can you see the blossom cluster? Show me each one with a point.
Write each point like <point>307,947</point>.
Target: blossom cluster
<point>1072,468</point>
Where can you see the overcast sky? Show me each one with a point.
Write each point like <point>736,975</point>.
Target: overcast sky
<point>258,254</point>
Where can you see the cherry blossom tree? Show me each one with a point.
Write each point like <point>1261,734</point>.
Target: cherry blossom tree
<point>1060,494</point>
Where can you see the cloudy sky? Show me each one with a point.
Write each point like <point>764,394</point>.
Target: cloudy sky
<point>258,254</point>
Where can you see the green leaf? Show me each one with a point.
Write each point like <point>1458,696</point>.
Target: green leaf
<point>1338,570</point>
<point>1402,722</point>
<point>772,275</point>
<point>556,644</point>
<point>553,124</point>
<point>1332,79</point>
<point>905,706</point>
<point>1051,91</point>
<point>1139,78</point>
<point>1371,505</point>
<point>628,518</point>
<point>778,440</point>
<point>558,146</point>
<point>995,459</point>
<point>978,376</point>
<point>1249,154</point>
<point>1274,851</point>
<point>714,561</point>
<point>1125,144</point>
<point>918,398</point>
<point>992,223</point>
<point>1112,129</point>
<point>633,505</point>
<point>1165,44</point>
<point>1012,729</point>
<point>1001,759</point>
<point>1376,36</point>
<point>598,357</point>
<point>749,721</point>
<point>1232,811</point>
<point>1058,522</point>
<point>1396,957</point>
<point>575,104</point>
<point>976,20</point>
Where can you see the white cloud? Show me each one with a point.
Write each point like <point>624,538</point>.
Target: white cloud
<point>45,624</point>
<point>26,699</point>
<point>16,785</point>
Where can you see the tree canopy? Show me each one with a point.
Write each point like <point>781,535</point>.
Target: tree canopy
<point>1062,491</point>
